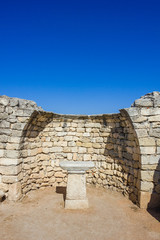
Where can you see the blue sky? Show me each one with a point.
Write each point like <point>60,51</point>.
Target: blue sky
<point>80,57</point>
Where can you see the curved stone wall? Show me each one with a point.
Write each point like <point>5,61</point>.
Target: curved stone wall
<point>108,140</point>
<point>124,146</point>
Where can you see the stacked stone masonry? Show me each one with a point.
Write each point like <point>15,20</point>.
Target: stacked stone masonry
<point>125,148</point>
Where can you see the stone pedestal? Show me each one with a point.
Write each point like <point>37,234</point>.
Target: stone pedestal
<point>76,185</point>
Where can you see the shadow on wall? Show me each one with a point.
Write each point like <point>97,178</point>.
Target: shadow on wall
<point>43,118</point>
<point>122,146</point>
<point>154,204</point>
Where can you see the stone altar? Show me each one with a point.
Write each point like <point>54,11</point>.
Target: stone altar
<point>76,185</point>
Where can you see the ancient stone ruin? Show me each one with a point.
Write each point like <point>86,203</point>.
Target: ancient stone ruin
<point>125,148</point>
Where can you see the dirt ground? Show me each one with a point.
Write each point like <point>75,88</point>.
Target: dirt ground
<point>41,216</point>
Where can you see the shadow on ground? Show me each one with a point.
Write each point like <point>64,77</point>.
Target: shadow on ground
<point>61,190</point>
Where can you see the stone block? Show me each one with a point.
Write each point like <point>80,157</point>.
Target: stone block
<point>87,157</point>
<point>148,141</point>
<point>148,150</point>
<point>152,159</point>
<point>143,102</point>
<point>12,154</point>
<point>10,161</point>
<point>9,179</point>
<point>10,170</point>
<point>59,175</point>
<point>142,133</point>
<point>154,118</point>
<point>4,101</point>
<point>132,111</point>
<point>82,150</point>
<point>56,149</point>
<point>3,138</point>
<point>15,192</point>
<point>146,186</point>
<point>147,175</point>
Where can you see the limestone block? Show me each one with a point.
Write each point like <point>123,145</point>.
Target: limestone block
<point>59,129</point>
<point>109,172</point>
<point>96,145</point>
<point>150,111</point>
<point>147,150</point>
<point>133,111</point>
<point>10,161</point>
<point>82,150</point>
<point>147,141</point>
<point>139,119</point>
<point>12,146</point>
<point>87,145</point>
<point>10,170</point>
<point>152,159</point>
<point>154,118</point>
<point>146,186</point>
<point>56,149</point>
<point>69,156</point>
<point>80,130</point>
<point>86,134</point>
<point>142,102</point>
<point>71,144</point>
<point>15,192</point>
<point>4,101</point>
<point>87,157</point>
<point>142,133</point>
<point>9,179</point>
<point>14,139</point>
<point>59,175</point>
<point>147,175</point>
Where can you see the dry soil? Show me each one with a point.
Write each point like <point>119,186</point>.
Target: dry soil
<point>41,216</point>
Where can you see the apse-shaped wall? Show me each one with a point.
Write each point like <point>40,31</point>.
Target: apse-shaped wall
<point>125,148</point>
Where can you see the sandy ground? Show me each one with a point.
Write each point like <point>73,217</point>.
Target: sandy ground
<point>41,216</point>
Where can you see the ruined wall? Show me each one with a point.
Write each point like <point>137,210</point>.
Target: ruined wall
<point>108,140</point>
<point>14,114</point>
<point>125,148</point>
<point>145,117</point>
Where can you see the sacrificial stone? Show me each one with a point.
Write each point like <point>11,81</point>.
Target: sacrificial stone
<point>76,184</point>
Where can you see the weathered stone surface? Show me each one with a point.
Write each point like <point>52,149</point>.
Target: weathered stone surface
<point>150,159</point>
<point>148,150</point>
<point>142,102</point>
<point>15,192</point>
<point>147,186</point>
<point>147,141</point>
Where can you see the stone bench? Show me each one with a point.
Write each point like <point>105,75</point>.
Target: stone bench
<point>76,185</point>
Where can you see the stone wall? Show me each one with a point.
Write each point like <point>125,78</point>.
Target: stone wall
<point>14,114</point>
<point>108,140</point>
<point>145,116</point>
<point>125,148</point>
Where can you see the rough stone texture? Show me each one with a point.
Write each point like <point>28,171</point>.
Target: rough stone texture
<point>125,148</point>
<point>148,132</point>
<point>14,115</point>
